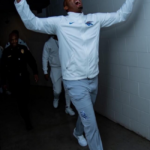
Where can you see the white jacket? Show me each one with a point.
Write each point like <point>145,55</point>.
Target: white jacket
<point>50,54</point>
<point>78,36</point>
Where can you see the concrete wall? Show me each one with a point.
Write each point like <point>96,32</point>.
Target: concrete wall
<point>124,80</point>
<point>35,41</point>
<point>124,83</point>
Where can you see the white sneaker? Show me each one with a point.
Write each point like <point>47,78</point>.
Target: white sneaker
<point>81,140</point>
<point>69,111</point>
<point>55,103</point>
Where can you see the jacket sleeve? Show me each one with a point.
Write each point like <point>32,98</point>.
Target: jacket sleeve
<point>108,19</point>
<point>31,22</point>
<point>31,61</point>
<point>45,58</point>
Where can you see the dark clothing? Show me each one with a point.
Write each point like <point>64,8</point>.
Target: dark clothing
<point>14,64</point>
<point>14,69</point>
<point>1,51</point>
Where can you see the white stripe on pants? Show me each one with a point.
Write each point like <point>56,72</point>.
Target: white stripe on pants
<point>83,95</point>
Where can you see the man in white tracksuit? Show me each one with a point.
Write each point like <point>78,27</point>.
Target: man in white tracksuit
<point>51,55</point>
<point>78,37</point>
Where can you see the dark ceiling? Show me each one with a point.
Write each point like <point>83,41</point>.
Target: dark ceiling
<point>8,5</point>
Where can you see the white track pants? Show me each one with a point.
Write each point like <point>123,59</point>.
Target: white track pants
<point>83,95</point>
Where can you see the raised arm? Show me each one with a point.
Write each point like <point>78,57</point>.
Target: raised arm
<point>108,19</point>
<point>45,58</point>
<point>42,25</point>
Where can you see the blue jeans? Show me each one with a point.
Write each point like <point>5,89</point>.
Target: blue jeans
<point>83,96</point>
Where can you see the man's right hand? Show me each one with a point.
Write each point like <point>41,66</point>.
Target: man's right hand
<point>46,77</point>
<point>18,1</point>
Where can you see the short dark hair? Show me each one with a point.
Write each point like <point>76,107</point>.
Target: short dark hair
<point>15,32</point>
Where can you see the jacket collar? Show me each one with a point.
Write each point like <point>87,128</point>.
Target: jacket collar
<point>76,16</point>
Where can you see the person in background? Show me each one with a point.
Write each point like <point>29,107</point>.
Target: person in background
<point>20,41</point>
<point>51,55</point>
<point>14,69</point>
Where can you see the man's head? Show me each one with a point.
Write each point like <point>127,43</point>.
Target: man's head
<point>73,6</point>
<point>13,39</point>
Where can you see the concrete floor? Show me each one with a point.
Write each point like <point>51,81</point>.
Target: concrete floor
<point>53,128</point>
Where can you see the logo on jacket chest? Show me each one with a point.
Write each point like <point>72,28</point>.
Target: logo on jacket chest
<point>89,23</point>
<point>71,22</point>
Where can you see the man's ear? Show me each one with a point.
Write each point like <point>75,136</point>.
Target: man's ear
<point>66,8</point>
